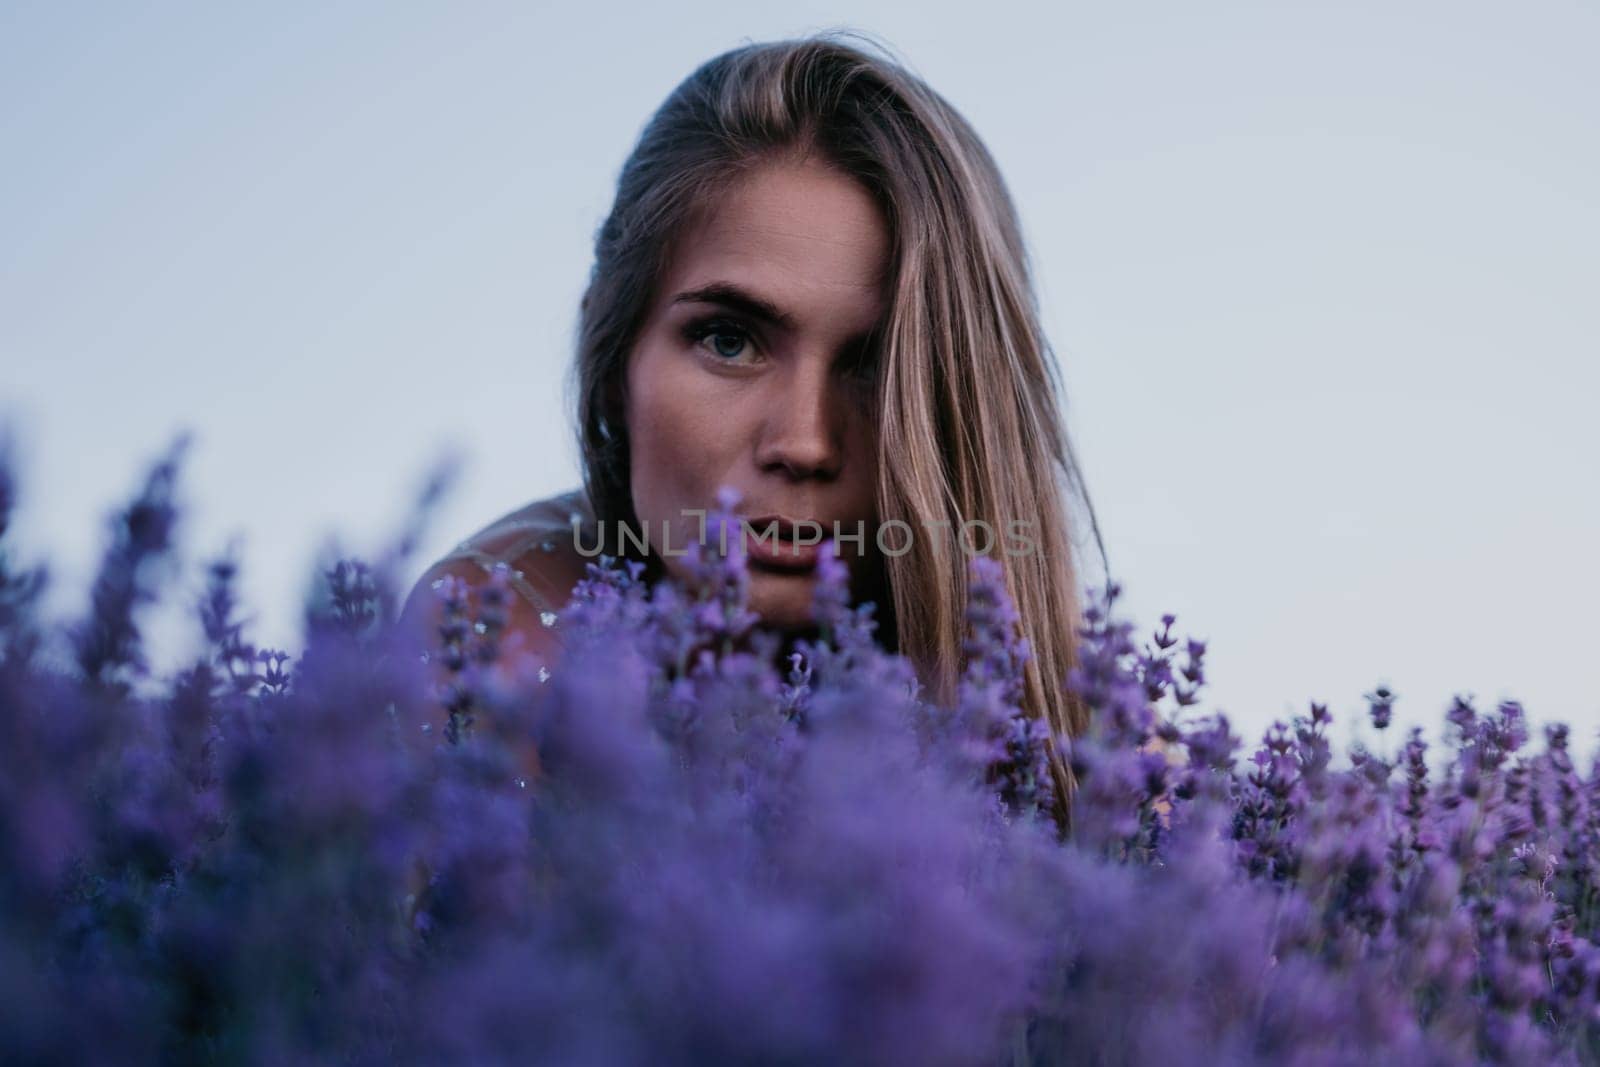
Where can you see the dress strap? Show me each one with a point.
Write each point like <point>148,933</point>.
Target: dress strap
<point>526,542</point>
<point>515,577</point>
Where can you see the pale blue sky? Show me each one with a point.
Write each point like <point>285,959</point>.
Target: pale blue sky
<point>1321,279</point>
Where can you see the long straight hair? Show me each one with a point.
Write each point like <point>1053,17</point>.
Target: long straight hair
<point>968,393</point>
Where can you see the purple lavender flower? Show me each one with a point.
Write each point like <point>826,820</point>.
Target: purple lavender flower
<point>20,589</point>
<point>1381,707</point>
<point>108,645</point>
<point>735,850</point>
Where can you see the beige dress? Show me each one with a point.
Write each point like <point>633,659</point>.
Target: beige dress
<point>539,543</point>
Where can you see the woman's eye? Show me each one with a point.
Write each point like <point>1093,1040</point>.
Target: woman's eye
<point>862,383</point>
<point>862,367</point>
<point>727,342</point>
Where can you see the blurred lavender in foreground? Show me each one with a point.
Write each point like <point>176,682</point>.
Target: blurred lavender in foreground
<point>726,850</point>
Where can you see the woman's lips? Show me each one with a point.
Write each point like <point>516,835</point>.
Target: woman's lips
<point>783,551</point>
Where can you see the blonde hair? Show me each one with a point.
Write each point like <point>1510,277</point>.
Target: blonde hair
<point>968,391</point>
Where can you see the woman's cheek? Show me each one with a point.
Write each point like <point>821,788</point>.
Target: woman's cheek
<point>680,435</point>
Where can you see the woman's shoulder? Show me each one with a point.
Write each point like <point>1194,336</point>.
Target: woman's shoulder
<point>538,546</point>
<point>538,524</point>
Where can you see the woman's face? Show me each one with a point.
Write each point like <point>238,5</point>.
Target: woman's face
<point>754,370</point>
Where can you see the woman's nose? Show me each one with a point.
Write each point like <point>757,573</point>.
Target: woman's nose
<point>802,433</point>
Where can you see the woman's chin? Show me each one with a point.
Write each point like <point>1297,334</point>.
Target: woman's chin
<point>782,599</point>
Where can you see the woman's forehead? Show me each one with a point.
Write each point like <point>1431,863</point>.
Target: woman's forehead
<point>806,238</point>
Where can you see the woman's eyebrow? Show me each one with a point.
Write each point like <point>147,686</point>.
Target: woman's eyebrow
<point>731,296</point>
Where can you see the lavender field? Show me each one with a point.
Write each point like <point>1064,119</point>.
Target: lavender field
<point>668,850</point>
